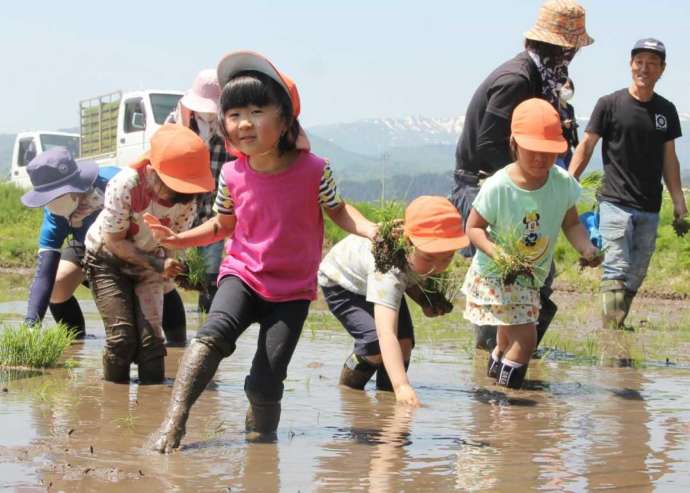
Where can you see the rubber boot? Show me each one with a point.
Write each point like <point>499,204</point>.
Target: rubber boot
<point>383,381</point>
<point>69,313</point>
<point>199,364</point>
<point>152,371</point>
<point>115,369</point>
<point>485,337</point>
<point>493,366</point>
<point>356,372</point>
<point>205,299</point>
<point>613,310</point>
<point>627,301</point>
<point>262,418</point>
<point>512,377</point>
<point>174,320</point>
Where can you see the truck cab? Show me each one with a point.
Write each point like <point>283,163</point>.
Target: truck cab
<point>28,145</point>
<point>116,128</point>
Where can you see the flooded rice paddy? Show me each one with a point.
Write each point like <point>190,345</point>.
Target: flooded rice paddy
<point>578,427</point>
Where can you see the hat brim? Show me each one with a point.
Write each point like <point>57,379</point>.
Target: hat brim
<point>198,104</point>
<point>82,182</point>
<point>243,61</point>
<point>581,41</point>
<point>542,145</point>
<point>197,184</point>
<point>437,245</point>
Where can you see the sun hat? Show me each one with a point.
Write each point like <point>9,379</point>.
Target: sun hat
<point>180,158</point>
<point>536,126</point>
<point>54,173</point>
<point>649,44</point>
<point>204,94</point>
<point>242,61</point>
<point>561,23</point>
<point>434,225</point>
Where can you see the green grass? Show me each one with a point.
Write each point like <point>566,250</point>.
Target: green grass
<point>19,228</point>
<point>33,347</point>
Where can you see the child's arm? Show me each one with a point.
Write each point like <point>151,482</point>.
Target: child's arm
<point>218,227</point>
<point>125,249</point>
<point>348,218</point>
<point>476,232</point>
<point>577,235</point>
<point>386,320</point>
<point>416,293</point>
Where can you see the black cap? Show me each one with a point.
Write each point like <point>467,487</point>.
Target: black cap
<point>650,44</point>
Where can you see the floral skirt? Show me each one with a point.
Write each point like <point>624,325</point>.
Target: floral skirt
<point>490,302</point>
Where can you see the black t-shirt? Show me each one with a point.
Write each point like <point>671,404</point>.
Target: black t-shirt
<point>634,134</point>
<point>484,143</point>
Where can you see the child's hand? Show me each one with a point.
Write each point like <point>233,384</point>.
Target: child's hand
<point>406,395</point>
<point>162,234</point>
<point>172,267</point>
<point>591,257</point>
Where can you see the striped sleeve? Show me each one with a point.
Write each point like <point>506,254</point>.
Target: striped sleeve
<point>223,203</point>
<point>328,191</point>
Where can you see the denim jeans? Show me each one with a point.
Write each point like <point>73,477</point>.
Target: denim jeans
<point>213,255</point>
<point>629,241</point>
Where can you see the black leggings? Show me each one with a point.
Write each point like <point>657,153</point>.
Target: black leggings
<point>235,307</point>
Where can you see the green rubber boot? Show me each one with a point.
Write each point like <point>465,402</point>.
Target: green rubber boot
<point>613,308</point>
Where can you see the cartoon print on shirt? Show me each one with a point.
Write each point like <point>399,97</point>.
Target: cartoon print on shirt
<point>534,244</point>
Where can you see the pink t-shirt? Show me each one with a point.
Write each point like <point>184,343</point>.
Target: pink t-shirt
<point>276,245</point>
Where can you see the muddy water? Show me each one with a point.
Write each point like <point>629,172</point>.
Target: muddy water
<point>576,428</point>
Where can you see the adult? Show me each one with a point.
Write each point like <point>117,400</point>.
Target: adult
<point>638,128</point>
<point>483,148</point>
<point>127,268</point>
<point>72,194</point>
<point>198,111</point>
<point>569,123</point>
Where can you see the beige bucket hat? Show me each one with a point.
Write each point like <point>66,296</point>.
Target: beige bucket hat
<point>561,23</point>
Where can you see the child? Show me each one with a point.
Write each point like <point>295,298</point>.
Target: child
<point>127,268</point>
<point>269,205</point>
<point>539,199</point>
<point>371,305</point>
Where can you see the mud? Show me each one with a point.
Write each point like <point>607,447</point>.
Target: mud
<point>576,427</point>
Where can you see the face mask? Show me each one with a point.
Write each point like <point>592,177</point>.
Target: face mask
<point>63,206</point>
<point>566,94</point>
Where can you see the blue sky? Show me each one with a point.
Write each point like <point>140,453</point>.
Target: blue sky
<point>351,59</point>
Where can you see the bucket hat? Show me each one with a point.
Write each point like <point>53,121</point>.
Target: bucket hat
<point>243,61</point>
<point>434,225</point>
<point>180,158</point>
<point>204,94</point>
<point>561,23</point>
<point>536,126</point>
<point>54,173</point>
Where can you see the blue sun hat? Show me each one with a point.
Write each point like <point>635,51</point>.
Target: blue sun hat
<point>54,173</point>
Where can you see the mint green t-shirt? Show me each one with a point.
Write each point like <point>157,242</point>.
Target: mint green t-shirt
<point>533,216</point>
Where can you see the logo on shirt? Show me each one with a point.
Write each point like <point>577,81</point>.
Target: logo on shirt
<point>533,243</point>
<point>661,122</point>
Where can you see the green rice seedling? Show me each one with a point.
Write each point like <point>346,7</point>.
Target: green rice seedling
<point>390,247</point>
<point>193,276</point>
<point>33,346</point>
<point>441,290</point>
<point>514,260</point>
<point>591,185</point>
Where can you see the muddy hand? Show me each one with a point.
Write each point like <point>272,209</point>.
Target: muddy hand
<point>405,394</point>
<point>161,233</point>
<point>591,258</point>
<point>172,267</point>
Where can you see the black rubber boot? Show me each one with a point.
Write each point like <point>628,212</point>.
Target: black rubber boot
<point>199,364</point>
<point>356,372</point>
<point>383,381</point>
<point>485,337</point>
<point>69,313</point>
<point>263,417</point>
<point>152,371</point>
<point>546,316</point>
<point>115,369</point>
<point>511,377</point>
<point>174,320</point>
<point>205,299</point>
<point>493,367</point>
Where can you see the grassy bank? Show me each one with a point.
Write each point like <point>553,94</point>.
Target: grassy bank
<point>669,273</point>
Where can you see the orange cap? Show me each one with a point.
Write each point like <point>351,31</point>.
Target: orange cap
<point>180,158</point>
<point>536,126</point>
<point>434,225</point>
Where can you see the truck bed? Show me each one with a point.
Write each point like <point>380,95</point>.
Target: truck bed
<point>98,125</point>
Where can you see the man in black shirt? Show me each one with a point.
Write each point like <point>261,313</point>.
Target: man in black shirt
<point>483,148</point>
<point>638,128</point>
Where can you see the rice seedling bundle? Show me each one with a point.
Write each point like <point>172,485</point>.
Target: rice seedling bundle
<point>33,346</point>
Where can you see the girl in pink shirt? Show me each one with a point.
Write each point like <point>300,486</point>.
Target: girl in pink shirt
<point>269,206</point>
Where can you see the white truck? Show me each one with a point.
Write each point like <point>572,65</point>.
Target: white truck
<point>114,129</point>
